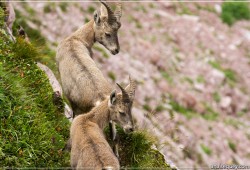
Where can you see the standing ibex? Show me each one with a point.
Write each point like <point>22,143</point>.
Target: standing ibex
<point>89,146</point>
<point>82,82</point>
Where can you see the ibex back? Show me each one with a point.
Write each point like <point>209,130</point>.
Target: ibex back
<point>89,146</point>
<point>83,83</point>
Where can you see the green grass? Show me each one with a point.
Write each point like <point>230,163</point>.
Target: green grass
<point>33,130</point>
<point>234,11</point>
<point>63,6</point>
<point>216,97</point>
<point>135,151</point>
<point>232,146</point>
<point>111,75</point>
<point>166,76</point>
<point>91,9</point>
<point>47,56</point>
<point>206,149</point>
<point>230,75</point>
<point>49,7</point>
<point>102,50</point>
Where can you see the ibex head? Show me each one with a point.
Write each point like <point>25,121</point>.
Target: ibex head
<point>107,23</point>
<point>120,106</point>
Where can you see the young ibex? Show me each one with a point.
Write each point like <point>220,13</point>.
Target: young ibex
<point>82,82</point>
<point>89,146</point>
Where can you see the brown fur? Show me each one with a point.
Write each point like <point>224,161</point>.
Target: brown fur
<point>89,148</point>
<point>82,81</point>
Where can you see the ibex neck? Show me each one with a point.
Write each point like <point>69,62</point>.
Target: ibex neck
<point>100,114</point>
<point>86,34</point>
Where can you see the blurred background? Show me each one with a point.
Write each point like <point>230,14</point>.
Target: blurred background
<point>191,61</point>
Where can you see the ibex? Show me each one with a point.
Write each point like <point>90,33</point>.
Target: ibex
<point>83,83</point>
<point>89,146</point>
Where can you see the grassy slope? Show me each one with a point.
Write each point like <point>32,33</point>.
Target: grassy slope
<point>32,130</point>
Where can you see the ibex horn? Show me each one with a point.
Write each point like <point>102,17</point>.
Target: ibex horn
<point>111,16</point>
<point>130,89</point>
<point>125,95</point>
<point>118,11</point>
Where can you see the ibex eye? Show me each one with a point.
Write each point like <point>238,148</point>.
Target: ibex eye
<point>107,35</point>
<point>122,113</point>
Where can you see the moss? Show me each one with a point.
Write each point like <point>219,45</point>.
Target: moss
<point>33,130</point>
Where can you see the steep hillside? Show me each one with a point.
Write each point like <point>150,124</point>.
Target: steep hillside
<point>33,128</point>
<point>192,72</point>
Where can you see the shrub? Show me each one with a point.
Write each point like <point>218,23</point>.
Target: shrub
<point>233,11</point>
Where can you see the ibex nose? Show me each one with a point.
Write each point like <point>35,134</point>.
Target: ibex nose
<point>129,130</point>
<point>115,51</point>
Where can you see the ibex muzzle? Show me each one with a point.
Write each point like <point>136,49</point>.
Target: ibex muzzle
<point>106,26</point>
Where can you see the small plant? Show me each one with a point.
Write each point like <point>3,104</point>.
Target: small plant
<point>111,75</point>
<point>147,107</point>
<point>167,77</point>
<point>216,97</point>
<point>234,11</point>
<point>206,149</point>
<point>136,151</point>
<point>232,146</point>
<point>91,9</point>
<point>63,6</point>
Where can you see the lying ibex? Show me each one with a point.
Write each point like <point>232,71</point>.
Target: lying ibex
<point>82,82</point>
<point>89,146</point>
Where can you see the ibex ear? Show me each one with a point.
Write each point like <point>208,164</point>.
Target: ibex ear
<point>112,98</point>
<point>97,18</point>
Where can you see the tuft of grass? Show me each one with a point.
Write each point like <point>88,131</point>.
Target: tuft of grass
<point>49,7</point>
<point>1,17</point>
<point>210,114</point>
<point>232,146</point>
<point>147,107</point>
<point>216,97</point>
<point>189,113</point>
<point>63,6</point>
<point>102,50</point>
<point>234,11</point>
<point>91,9</point>
<point>46,55</point>
<point>230,75</point>
<point>112,75</point>
<point>200,79</point>
<point>160,108</point>
<point>33,130</point>
<point>136,152</point>
<point>206,149</point>
<point>167,77</point>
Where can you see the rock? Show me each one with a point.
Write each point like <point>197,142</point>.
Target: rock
<point>225,102</point>
<point>217,8</point>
